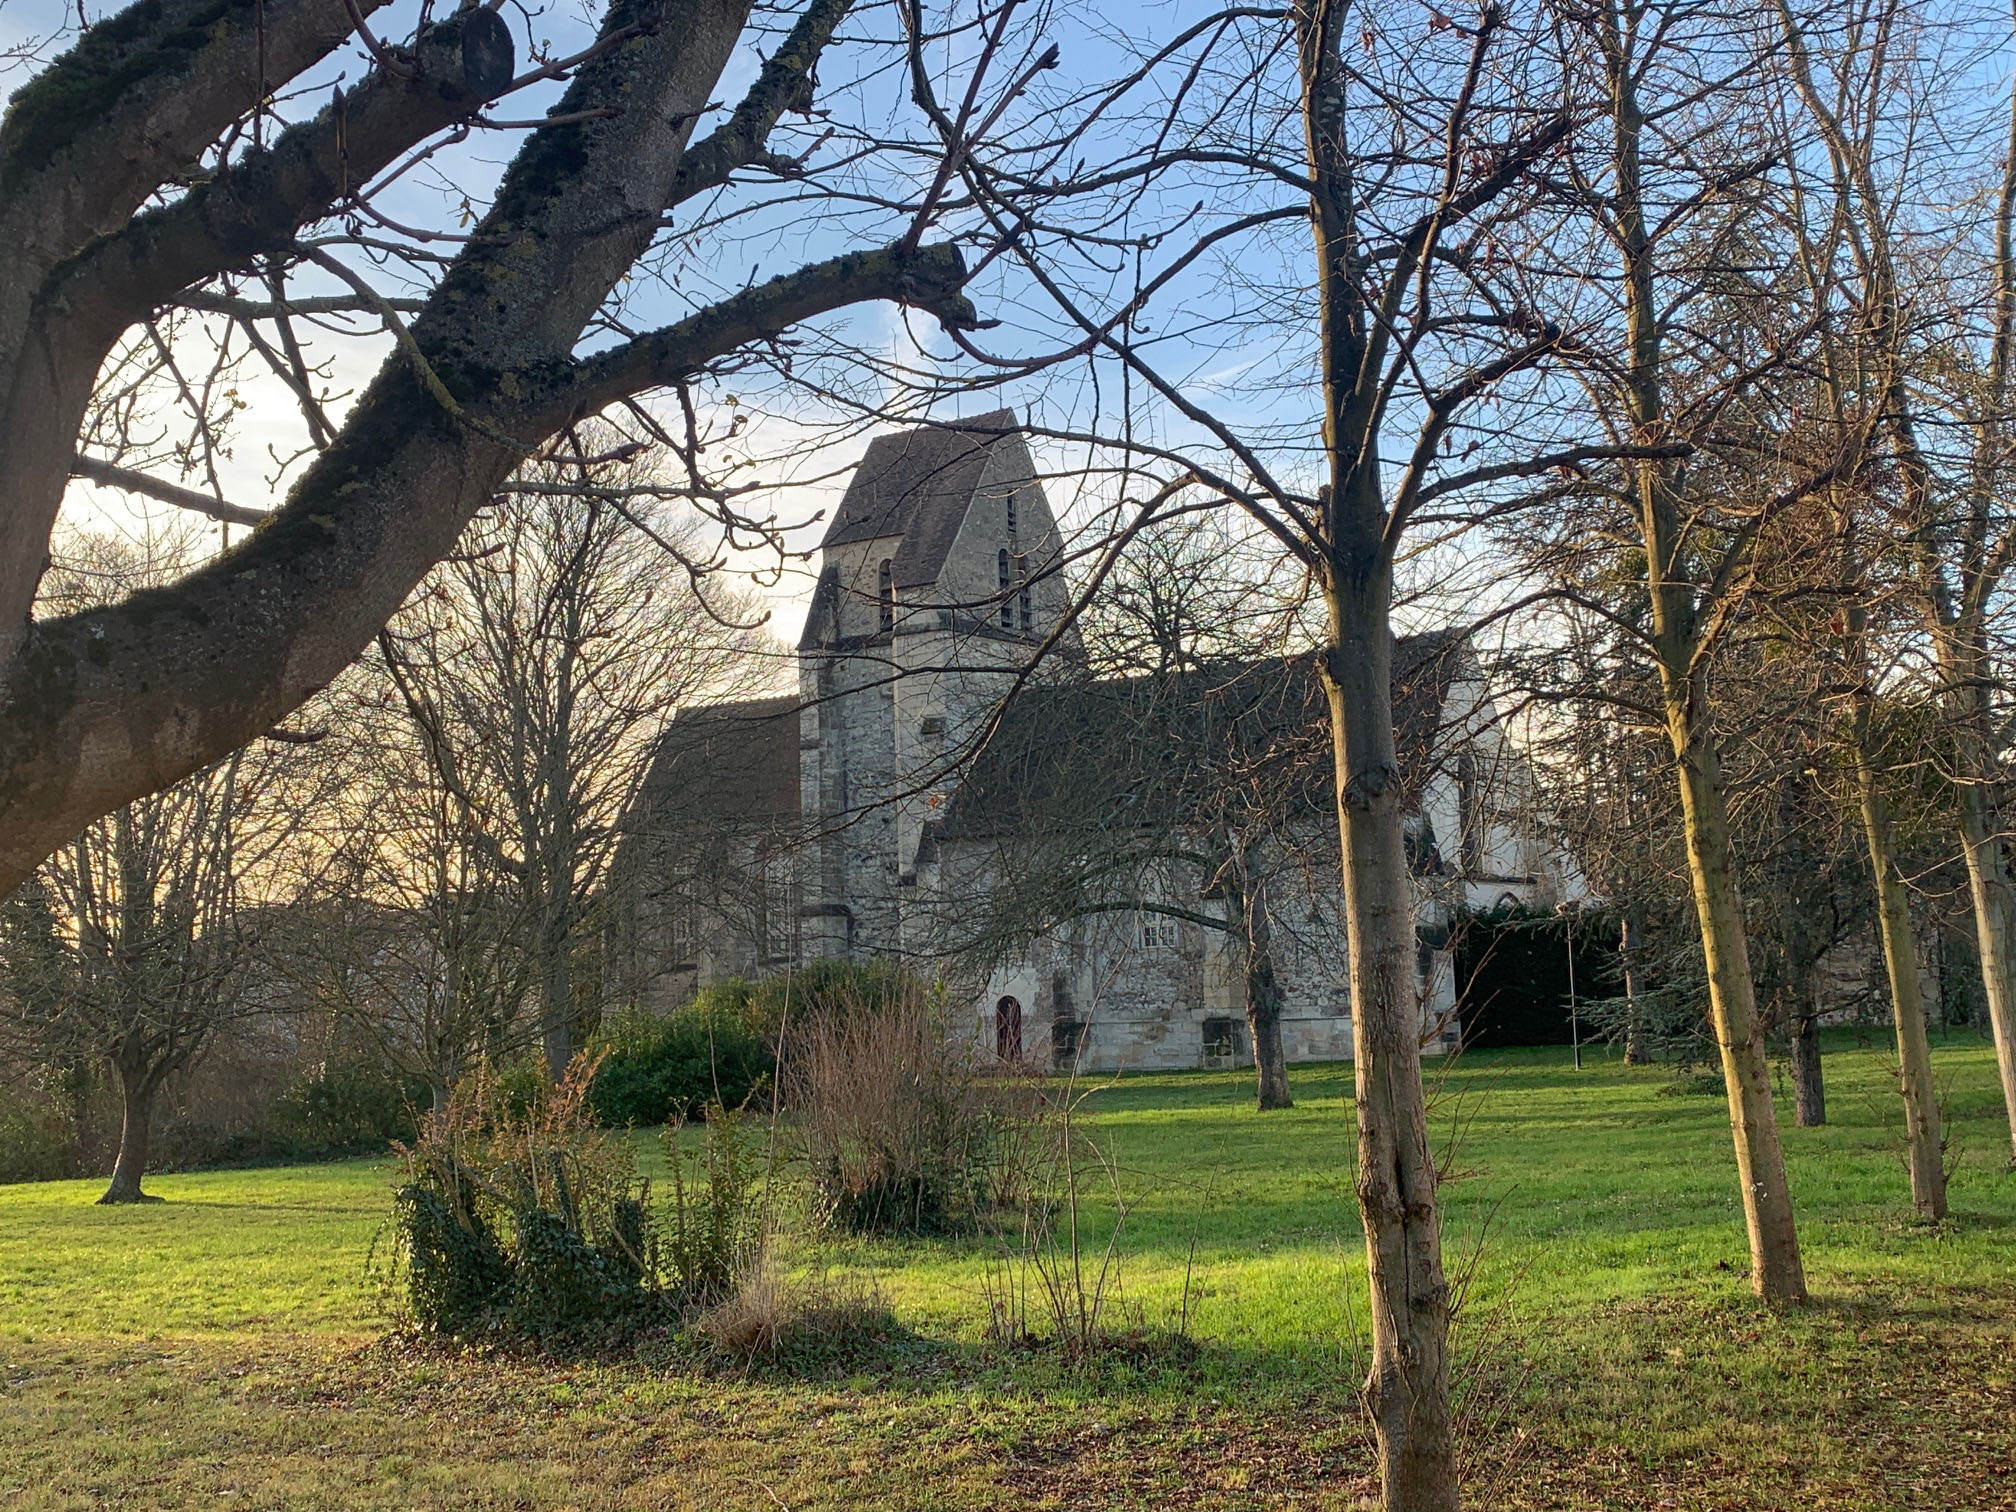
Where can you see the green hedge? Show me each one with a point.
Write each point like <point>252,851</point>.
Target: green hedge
<point>723,1046</point>
<point>655,1068</point>
<point>37,1141</point>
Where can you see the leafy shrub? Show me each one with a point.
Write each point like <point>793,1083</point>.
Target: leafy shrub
<point>824,991</point>
<point>529,1219</point>
<point>653,1069</point>
<point>328,1110</point>
<point>519,1085</point>
<point>724,1047</point>
<point>339,1109</point>
<point>900,1121</point>
<point>561,1283</point>
<point>519,1219</point>
<point>456,1270</point>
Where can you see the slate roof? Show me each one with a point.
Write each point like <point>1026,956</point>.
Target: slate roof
<point>917,484</point>
<point>1154,752</point>
<point>724,764</point>
<point>1105,754</point>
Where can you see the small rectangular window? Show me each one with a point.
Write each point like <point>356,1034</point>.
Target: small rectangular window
<point>1221,1041</point>
<point>1011,513</point>
<point>679,928</point>
<point>1154,931</point>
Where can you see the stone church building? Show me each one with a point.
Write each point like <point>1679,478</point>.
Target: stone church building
<point>1065,861</point>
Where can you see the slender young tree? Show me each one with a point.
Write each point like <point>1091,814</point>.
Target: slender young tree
<point>1939,359</point>
<point>1689,331</point>
<point>1394,150</point>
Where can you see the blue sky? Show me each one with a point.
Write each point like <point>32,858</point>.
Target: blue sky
<point>1233,331</point>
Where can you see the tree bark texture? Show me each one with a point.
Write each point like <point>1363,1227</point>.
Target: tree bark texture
<point>1994,900</point>
<point>1263,1006</point>
<point>1407,1390</point>
<point>1809,1085</point>
<point>1924,1144</point>
<point>1776,1273</point>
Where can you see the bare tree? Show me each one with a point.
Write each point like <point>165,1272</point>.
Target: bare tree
<point>1687,335</point>
<point>415,938</point>
<point>1179,637</point>
<point>147,952</point>
<point>152,167</point>
<point>539,667</point>
<point>1405,145</point>
<point>1933,341</point>
<point>1186,796</point>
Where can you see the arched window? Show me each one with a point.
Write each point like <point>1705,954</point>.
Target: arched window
<point>1007,602</point>
<point>886,596</point>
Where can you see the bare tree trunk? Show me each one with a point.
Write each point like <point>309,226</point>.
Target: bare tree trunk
<point>1775,1270</point>
<point>136,1135</point>
<point>1407,1390</point>
<point>556,988</point>
<point>1628,943</point>
<point>1678,629</point>
<point>1994,934</point>
<point>1924,1145</point>
<point>556,1025</point>
<point>1263,1007</point>
<point>1809,1086</point>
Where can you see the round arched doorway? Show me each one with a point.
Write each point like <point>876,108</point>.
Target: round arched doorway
<point>1008,1029</point>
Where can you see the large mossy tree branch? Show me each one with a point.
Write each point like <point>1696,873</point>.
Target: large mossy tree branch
<point>102,707</point>
<point>135,104</point>
<point>929,279</point>
<point>256,205</point>
<point>252,207</point>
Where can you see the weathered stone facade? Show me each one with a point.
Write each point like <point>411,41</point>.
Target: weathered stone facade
<point>940,579</point>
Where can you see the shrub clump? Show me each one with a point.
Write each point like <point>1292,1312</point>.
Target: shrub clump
<point>38,1141</point>
<point>654,1068</point>
<point>527,1219</point>
<point>902,1124</point>
<point>802,1325</point>
<point>520,1219</point>
<point>713,1223</point>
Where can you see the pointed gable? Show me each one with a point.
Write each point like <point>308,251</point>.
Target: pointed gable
<point>918,484</point>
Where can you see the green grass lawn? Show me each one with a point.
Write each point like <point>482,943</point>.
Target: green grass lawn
<point>221,1343</point>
